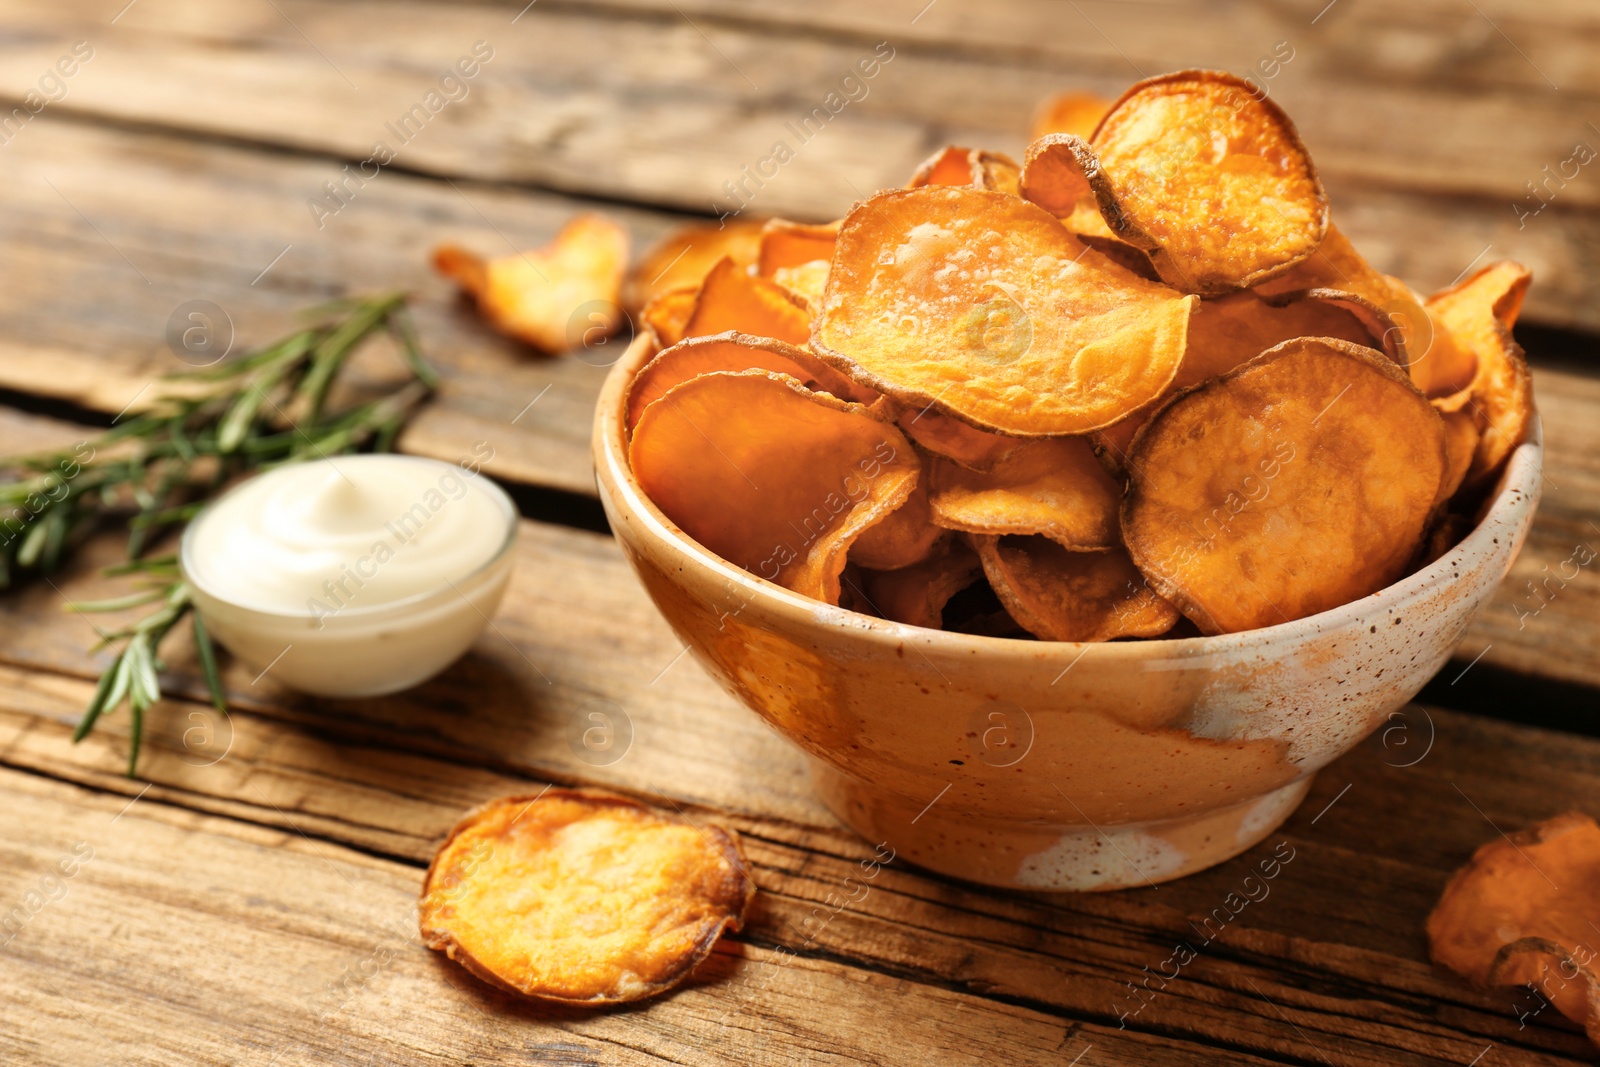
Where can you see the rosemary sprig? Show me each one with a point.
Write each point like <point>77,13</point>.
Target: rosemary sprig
<point>153,472</point>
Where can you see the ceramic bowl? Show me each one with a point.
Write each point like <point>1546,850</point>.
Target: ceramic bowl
<point>1056,765</point>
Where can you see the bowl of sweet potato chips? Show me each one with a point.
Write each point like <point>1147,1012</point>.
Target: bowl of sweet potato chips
<point>1071,513</point>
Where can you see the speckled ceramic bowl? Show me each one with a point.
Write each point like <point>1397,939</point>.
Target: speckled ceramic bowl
<point>1053,765</point>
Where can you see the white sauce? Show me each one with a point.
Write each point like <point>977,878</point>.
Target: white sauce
<point>355,532</point>
<point>352,576</point>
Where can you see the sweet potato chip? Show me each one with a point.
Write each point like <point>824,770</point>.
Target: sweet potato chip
<point>731,298</point>
<point>1056,174</point>
<point>904,537</point>
<point>1461,436</point>
<point>557,298</point>
<point>1438,365</point>
<point>807,281</point>
<point>1053,487</point>
<point>1069,112</point>
<point>582,897</point>
<point>1059,595</point>
<point>734,352</point>
<point>1300,481</point>
<point>1478,314</point>
<point>769,475</point>
<point>793,244</point>
<point>668,313</point>
<point>1210,177</point>
<point>1233,329</point>
<point>973,448</point>
<point>1525,910</point>
<point>917,595</point>
<point>968,166</point>
<point>685,255</point>
<point>986,308</point>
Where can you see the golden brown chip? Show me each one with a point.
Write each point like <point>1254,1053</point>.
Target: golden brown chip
<point>1478,314</point>
<point>983,306</point>
<point>1210,177</point>
<point>684,257</point>
<point>1526,909</point>
<point>1052,486</point>
<point>668,313</point>
<point>1461,435</point>
<point>902,538</point>
<point>1446,534</point>
<point>558,298</point>
<point>916,595</point>
<point>968,166</point>
<point>807,281</point>
<point>1230,330</point>
<point>734,352</point>
<point>1059,595</point>
<point>793,244</point>
<point>1438,365</point>
<point>1056,174</point>
<point>582,897</point>
<point>1298,482</point>
<point>1069,112</point>
<point>731,298</point>
<point>769,475</point>
<point>969,446</point>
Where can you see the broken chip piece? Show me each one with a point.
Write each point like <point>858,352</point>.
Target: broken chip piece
<point>560,297</point>
<point>581,896</point>
<point>1525,910</point>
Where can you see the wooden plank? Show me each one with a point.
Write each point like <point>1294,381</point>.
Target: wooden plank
<point>140,960</point>
<point>1328,965</point>
<point>98,267</point>
<point>674,112</point>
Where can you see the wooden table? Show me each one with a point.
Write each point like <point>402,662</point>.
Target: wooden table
<point>250,899</point>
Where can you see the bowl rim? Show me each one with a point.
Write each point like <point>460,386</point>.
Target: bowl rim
<point>192,575</point>
<point>1509,512</point>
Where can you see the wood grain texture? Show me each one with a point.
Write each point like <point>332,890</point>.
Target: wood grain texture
<point>1323,967</point>
<point>1428,126</point>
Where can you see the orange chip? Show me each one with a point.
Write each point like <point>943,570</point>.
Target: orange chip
<point>983,306</point>
<point>734,352</point>
<point>1461,436</point>
<point>904,537</point>
<point>808,281</point>
<point>668,313</point>
<point>916,595</point>
<point>1350,455</point>
<point>1051,486</point>
<point>1230,330</point>
<point>1446,534</point>
<point>769,475</point>
<point>794,244</point>
<point>731,298</point>
<point>1210,178</point>
<point>1060,174</point>
<point>582,897</point>
<point>555,298</point>
<point>1069,112</point>
<point>1525,910</point>
<point>1058,595</point>
<point>968,166</point>
<point>687,254</point>
<point>1438,365</point>
<point>953,439</point>
<point>1478,314</point>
